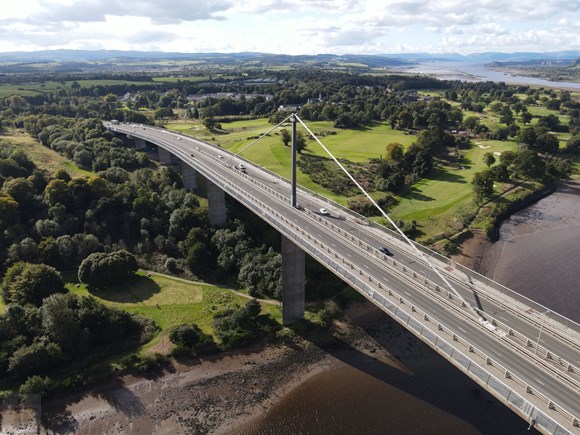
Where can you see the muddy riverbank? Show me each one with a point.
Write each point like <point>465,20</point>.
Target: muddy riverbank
<point>537,252</point>
<point>364,375</point>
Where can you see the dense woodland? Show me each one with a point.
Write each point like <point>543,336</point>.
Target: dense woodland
<point>132,213</point>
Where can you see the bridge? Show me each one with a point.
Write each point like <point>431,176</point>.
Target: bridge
<point>524,354</point>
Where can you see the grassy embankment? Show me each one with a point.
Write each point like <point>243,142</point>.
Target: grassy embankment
<point>42,156</point>
<point>169,301</point>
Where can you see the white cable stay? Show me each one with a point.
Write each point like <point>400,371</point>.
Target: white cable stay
<point>386,216</point>
<point>383,213</point>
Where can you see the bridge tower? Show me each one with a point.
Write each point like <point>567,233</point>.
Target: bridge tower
<point>293,259</point>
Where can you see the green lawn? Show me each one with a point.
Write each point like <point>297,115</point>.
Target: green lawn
<point>358,145</point>
<point>44,157</point>
<point>168,301</point>
<point>436,200</point>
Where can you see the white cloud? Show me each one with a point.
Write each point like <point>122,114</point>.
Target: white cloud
<point>160,12</point>
<point>292,26</point>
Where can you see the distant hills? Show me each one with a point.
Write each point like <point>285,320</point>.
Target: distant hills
<point>379,60</point>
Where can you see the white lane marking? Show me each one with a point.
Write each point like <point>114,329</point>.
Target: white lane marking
<point>407,293</point>
<point>333,244</point>
<point>461,329</point>
<point>365,266</point>
<point>349,255</point>
<point>386,279</point>
<point>539,381</point>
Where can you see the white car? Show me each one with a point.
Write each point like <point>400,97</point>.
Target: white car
<point>324,212</point>
<point>220,156</point>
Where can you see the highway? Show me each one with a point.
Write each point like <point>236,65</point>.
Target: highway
<point>509,334</point>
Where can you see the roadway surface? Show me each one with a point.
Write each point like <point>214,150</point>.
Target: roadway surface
<point>358,243</point>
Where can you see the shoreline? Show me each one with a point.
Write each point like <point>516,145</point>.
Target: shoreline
<point>238,393</point>
<point>535,246</point>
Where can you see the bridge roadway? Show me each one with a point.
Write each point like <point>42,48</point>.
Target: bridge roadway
<point>357,243</point>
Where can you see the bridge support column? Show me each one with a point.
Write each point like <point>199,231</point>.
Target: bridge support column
<point>217,205</point>
<point>164,156</point>
<point>293,271</point>
<point>189,176</point>
<point>140,144</point>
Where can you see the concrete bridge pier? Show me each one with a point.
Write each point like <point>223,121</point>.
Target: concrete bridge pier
<point>293,272</point>
<point>140,144</point>
<point>217,205</point>
<point>189,176</point>
<point>164,156</point>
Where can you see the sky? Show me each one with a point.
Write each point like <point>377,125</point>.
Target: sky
<point>292,26</point>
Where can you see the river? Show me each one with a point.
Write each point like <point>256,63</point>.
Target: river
<point>471,72</point>
<point>538,254</point>
<point>415,391</point>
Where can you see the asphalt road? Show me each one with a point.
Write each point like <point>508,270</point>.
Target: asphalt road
<point>201,155</point>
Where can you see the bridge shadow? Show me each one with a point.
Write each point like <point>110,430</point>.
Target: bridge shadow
<point>392,355</point>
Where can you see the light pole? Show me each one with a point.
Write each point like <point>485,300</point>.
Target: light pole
<point>540,333</point>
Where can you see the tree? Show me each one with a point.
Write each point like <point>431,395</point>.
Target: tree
<point>573,144</point>
<point>34,359</point>
<point>526,117</point>
<point>101,269</point>
<point>488,159</point>
<point>199,259</point>
<point>527,135</point>
<point>500,173</point>
<point>26,283</point>
<point>285,136</point>
<point>189,338</point>
<point>547,142</point>
<point>300,142</point>
<point>482,184</point>
<point>9,214</point>
<point>395,152</point>
<point>507,116</point>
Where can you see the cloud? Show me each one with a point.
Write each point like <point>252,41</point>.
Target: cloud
<point>292,26</point>
<point>165,12</point>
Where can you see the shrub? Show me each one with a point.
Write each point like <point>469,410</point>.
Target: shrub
<point>101,269</point>
<point>37,385</point>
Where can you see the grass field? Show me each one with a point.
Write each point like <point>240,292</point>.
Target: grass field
<point>168,301</point>
<point>44,157</point>
<point>356,145</point>
<point>447,193</point>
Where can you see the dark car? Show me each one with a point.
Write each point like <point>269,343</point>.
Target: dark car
<point>385,251</point>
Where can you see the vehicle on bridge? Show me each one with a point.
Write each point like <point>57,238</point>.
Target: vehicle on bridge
<point>324,212</point>
<point>385,251</point>
<point>241,168</point>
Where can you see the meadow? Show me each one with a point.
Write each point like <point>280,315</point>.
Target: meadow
<point>169,301</point>
<point>44,157</point>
